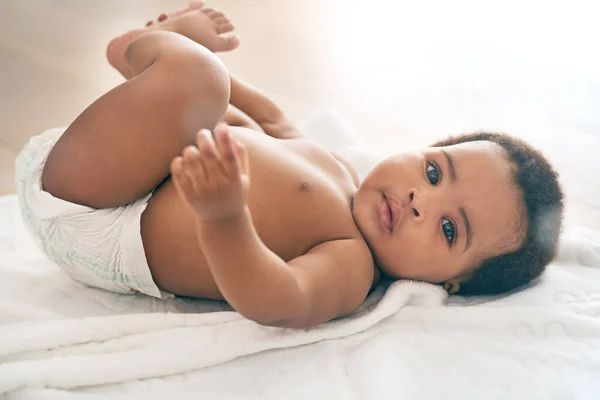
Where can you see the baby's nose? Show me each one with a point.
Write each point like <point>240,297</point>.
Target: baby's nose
<point>417,204</point>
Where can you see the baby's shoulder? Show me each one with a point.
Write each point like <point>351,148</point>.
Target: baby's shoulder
<point>349,259</point>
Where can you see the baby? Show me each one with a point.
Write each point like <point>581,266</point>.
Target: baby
<point>185,181</point>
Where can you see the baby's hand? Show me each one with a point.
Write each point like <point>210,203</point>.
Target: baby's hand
<point>213,177</point>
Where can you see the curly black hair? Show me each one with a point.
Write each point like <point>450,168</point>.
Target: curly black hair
<point>544,203</point>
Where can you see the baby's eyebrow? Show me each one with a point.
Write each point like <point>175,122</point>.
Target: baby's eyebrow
<point>450,165</point>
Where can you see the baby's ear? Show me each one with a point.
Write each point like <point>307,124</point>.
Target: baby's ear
<point>452,286</point>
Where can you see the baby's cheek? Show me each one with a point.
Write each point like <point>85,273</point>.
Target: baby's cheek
<point>414,256</point>
<point>405,250</point>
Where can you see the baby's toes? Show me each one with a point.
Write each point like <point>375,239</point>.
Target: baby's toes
<point>224,27</point>
<point>220,18</point>
<point>216,14</point>
<point>221,22</point>
<point>196,5</point>
<point>226,43</point>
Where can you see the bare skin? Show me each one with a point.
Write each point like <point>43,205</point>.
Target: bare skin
<point>258,214</point>
<point>286,261</point>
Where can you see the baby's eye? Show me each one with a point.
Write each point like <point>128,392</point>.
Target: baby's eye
<point>449,230</point>
<point>433,173</point>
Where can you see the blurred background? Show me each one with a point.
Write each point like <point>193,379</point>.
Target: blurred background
<point>402,74</point>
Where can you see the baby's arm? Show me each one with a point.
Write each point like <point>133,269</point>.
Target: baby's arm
<point>329,281</point>
<point>262,110</point>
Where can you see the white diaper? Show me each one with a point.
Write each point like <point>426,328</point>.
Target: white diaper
<point>98,247</point>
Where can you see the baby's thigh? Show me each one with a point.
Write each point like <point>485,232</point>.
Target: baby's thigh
<point>120,148</point>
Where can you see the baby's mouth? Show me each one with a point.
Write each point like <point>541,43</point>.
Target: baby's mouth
<point>394,211</point>
<point>386,214</point>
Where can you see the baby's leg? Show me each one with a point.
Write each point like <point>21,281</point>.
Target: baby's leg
<point>121,146</point>
<point>203,25</point>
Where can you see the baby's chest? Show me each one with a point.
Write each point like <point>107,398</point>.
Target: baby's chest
<point>299,197</point>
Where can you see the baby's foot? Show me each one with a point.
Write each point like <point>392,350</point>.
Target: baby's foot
<point>202,25</point>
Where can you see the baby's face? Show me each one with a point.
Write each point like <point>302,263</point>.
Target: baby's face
<point>435,215</point>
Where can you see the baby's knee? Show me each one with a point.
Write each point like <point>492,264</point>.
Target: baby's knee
<point>182,57</point>
<point>204,77</point>
<point>185,67</point>
<point>197,73</point>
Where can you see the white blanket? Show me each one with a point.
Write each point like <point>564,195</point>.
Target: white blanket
<point>59,339</point>
<point>540,343</point>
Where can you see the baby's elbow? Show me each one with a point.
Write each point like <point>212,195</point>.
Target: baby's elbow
<point>278,319</point>
<point>286,323</point>
<point>299,320</point>
<point>294,310</point>
<point>264,320</point>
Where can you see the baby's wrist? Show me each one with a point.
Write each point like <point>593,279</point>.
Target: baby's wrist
<point>233,231</point>
<point>231,218</point>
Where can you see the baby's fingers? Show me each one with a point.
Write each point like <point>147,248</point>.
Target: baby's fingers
<point>209,154</point>
<point>194,167</point>
<point>225,146</point>
<point>180,178</point>
<point>242,157</point>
